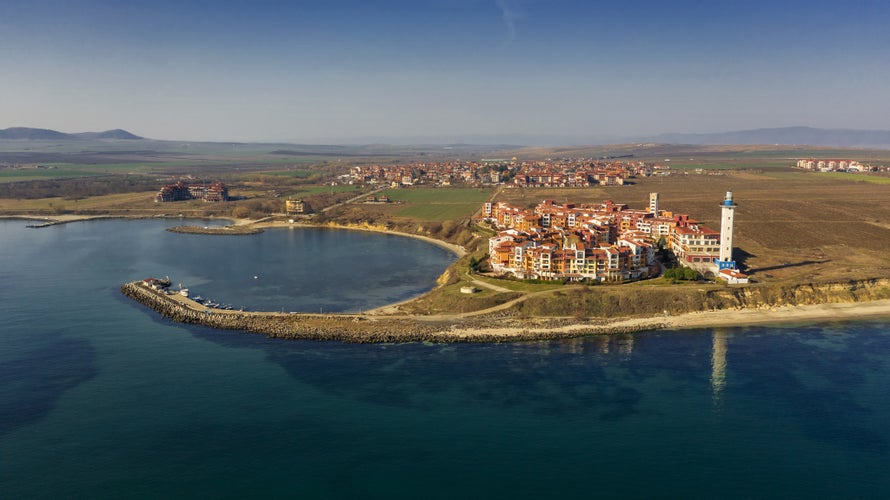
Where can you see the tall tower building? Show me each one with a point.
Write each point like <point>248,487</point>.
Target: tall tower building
<point>725,260</point>
<point>653,203</point>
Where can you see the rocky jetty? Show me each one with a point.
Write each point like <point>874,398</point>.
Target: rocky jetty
<point>224,230</point>
<point>344,327</point>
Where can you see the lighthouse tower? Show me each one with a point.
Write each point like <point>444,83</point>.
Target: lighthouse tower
<point>725,260</point>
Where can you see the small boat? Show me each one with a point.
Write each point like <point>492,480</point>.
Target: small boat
<point>184,292</point>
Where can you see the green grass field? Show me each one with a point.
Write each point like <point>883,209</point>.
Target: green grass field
<point>300,174</point>
<point>15,175</point>
<point>519,286</point>
<point>438,204</point>
<point>855,177</point>
<point>821,177</point>
<point>72,170</point>
<point>439,195</point>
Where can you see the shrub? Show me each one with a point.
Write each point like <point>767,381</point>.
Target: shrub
<point>681,274</point>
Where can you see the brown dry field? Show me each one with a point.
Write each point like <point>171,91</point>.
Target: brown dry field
<point>790,225</point>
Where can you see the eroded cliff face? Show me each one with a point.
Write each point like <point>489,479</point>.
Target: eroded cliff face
<point>797,295</point>
<point>642,301</point>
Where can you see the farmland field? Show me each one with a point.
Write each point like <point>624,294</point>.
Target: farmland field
<point>31,174</point>
<point>429,204</point>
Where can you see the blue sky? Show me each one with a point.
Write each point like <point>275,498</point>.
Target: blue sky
<point>349,71</point>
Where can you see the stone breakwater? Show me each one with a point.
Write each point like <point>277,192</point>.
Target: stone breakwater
<point>224,230</point>
<point>357,328</point>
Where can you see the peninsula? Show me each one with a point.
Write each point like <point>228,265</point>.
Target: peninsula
<point>542,251</point>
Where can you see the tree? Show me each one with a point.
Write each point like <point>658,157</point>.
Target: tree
<point>240,212</point>
<point>690,274</point>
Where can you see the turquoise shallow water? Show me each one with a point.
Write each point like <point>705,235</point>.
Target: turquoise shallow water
<point>99,397</point>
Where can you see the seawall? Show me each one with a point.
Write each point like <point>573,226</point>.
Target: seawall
<point>357,328</point>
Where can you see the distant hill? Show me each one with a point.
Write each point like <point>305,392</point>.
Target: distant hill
<point>34,134</point>
<point>109,134</point>
<point>42,134</point>
<point>808,136</point>
<point>784,135</point>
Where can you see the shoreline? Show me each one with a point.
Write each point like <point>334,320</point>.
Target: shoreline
<point>453,247</point>
<point>238,227</point>
<point>456,328</point>
<point>770,316</point>
<point>363,328</point>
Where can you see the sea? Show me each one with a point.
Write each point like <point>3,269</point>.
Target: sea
<point>100,397</point>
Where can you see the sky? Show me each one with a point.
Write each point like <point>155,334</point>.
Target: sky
<point>339,71</point>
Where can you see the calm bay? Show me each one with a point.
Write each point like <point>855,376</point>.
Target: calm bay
<point>101,397</point>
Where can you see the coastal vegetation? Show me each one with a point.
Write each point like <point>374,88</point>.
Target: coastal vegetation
<point>675,274</point>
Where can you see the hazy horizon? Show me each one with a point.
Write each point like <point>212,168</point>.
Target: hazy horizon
<point>302,72</point>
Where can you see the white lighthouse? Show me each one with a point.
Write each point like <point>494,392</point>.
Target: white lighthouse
<point>725,260</point>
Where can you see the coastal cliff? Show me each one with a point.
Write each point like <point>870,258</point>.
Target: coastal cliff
<point>639,301</point>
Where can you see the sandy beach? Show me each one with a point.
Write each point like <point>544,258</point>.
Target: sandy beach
<point>454,248</point>
<point>709,319</point>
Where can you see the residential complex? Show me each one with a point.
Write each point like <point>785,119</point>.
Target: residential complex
<point>827,165</point>
<point>831,165</point>
<point>181,191</point>
<point>606,242</point>
<point>512,172</point>
<point>296,207</point>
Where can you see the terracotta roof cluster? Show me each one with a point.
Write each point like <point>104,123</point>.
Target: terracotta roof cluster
<point>602,242</point>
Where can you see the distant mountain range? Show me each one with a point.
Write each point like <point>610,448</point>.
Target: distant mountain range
<point>42,134</point>
<point>783,135</point>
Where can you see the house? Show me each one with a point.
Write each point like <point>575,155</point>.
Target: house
<point>733,277</point>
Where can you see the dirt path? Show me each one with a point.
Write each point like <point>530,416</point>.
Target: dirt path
<point>487,285</point>
<point>363,195</point>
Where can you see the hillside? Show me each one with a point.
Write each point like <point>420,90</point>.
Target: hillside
<point>43,134</point>
<point>117,133</point>
<point>33,134</point>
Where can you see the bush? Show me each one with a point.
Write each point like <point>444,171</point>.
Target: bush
<point>681,274</point>
<point>240,212</point>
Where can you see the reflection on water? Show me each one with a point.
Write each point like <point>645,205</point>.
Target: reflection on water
<point>718,365</point>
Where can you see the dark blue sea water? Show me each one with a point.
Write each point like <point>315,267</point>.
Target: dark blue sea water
<point>100,397</point>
